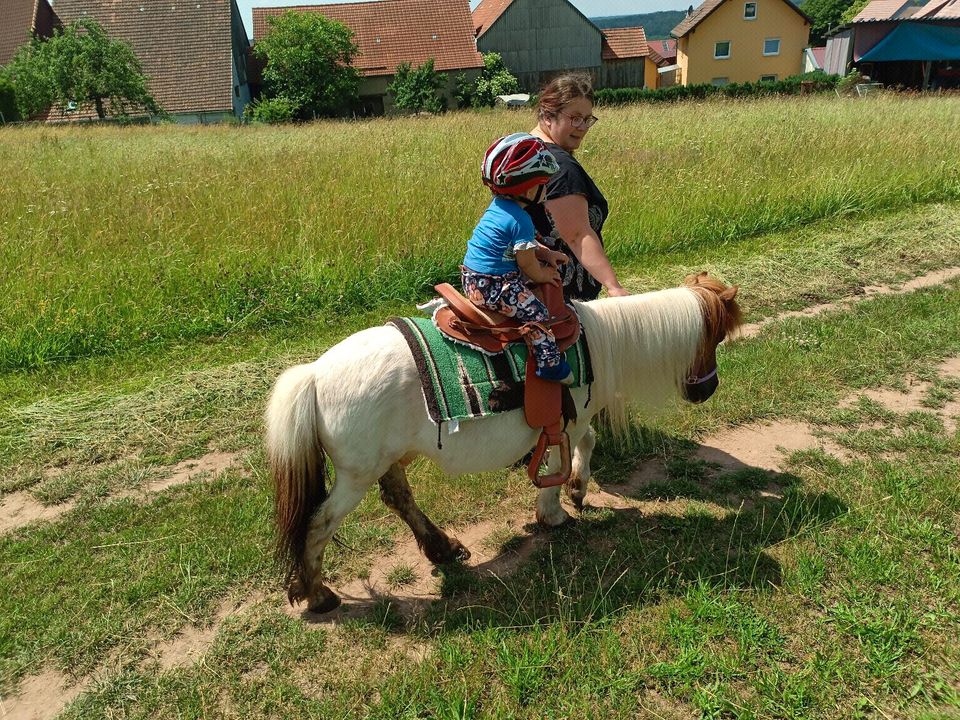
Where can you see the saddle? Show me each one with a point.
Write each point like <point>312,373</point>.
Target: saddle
<point>464,322</point>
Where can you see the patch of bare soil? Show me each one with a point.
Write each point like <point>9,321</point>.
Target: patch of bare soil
<point>931,279</point>
<point>911,400</point>
<point>40,697</point>
<point>19,509</point>
<point>192,642</point>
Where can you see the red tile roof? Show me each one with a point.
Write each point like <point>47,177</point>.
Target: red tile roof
<point>879,10</point>
<point>390,32</point>
<point>624,43</point>
<point>939,10</point>
<point>21,18</point>
<point>486,13</point>
<point>185,47</point>
<point>667,49</point>
<point>706,9</point>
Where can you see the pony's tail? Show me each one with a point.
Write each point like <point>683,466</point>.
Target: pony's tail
<point>298,465</point>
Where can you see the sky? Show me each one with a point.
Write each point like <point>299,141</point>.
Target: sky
<point>590,8</point>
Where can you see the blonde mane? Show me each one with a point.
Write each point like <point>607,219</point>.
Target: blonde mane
<point>641,347</point>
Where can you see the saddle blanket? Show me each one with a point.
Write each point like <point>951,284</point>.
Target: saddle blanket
<point>460,382</point>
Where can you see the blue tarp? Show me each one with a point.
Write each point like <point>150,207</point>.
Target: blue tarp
<point>916,41</point>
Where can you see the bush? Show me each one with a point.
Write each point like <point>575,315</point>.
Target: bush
<point>418,89</point>
<point>8,101</point>
<point>463,91</point>
<point>271,110</point>
<point>494,80</point>
<point>848,82</point>
<point>788,86</point>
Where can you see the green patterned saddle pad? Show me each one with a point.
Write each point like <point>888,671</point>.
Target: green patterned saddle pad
<point>461,382</point>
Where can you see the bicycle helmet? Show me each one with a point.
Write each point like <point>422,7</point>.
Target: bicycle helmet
<point>515,163</point>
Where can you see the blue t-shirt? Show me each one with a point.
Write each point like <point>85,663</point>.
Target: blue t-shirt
<point>504,228</point>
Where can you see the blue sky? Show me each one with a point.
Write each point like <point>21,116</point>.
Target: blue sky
<point>590,8</point>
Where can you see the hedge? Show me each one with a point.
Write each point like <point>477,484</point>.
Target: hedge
<point>788,86</point>
<point>8,102</point>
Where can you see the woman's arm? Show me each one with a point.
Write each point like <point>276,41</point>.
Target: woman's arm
<point>571,219</point>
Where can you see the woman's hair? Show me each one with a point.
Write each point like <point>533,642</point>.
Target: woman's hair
<point>561,90</point>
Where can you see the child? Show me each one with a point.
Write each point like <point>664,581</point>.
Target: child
<point>503,244</point>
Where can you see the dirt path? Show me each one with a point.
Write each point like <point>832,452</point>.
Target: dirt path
<point>20,508</point>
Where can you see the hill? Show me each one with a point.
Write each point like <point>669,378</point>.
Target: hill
<point>656,24</point>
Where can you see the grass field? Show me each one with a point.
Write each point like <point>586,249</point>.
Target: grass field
<point>828,588</point>
<point>119,239</point>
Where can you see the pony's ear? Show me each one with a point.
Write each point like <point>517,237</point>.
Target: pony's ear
<point>730,293</point>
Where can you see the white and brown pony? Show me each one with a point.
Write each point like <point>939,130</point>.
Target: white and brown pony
<point>361,405</point>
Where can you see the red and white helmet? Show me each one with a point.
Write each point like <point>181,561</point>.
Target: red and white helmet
<point>516,163</point>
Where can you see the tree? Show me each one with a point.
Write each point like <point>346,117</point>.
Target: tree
<point>418,90</point>
<point>309,63</point>
<point>8,101</point>
<point>80,65</point>
<point>825,14</point>
<point>494,80</point>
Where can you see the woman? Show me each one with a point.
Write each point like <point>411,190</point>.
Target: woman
<point>572,216</point>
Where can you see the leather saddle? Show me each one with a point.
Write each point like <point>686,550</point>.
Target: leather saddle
<point>464,322</point>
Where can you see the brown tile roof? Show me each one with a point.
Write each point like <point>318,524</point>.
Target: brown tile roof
<point>185,47</point>
<point>706,9</point>
<point>20,19</point>
<point>486,13</point>
<point>390,32</point>
<point>624,43</point>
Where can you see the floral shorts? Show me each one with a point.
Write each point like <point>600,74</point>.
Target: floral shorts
<point>508,295</point>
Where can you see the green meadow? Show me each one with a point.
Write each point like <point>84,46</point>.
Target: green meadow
<point>120,239</point>
<point>157,280</point>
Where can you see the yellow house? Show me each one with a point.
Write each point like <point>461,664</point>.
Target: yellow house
<point>725,41</point>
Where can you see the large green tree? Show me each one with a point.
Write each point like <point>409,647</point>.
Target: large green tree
<point>308,62</point>
<point>825,14</point>
<point>80,65</point>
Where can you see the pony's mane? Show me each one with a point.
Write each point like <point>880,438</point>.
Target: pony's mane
<point>722,319</point>
<point>641,347</point>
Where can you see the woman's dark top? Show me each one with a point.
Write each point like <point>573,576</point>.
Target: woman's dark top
<point>572,179</point>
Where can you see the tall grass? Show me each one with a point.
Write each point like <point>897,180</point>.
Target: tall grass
<point>118,238</point>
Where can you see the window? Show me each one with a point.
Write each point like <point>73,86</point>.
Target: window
<point>771,46</point>
<point>768,78</point>
<point>750,11</point>
<point>719,82</point>
<point>721,50</point>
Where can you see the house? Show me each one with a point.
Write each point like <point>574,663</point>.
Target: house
<point>898,43</point>
<point>391,32</point>
<point>538,39</point>
<point>194,54</point>
<point>22,20</point>
<point>725,41</point>
<point>628,60</point>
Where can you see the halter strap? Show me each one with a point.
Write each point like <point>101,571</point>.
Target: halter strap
<point>708,376</point>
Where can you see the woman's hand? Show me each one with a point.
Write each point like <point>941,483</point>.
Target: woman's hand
<point>617,291</point>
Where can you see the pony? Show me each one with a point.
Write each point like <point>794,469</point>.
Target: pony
<point>361,406</point>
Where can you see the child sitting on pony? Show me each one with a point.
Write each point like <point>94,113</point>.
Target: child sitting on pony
<point>503,254</point>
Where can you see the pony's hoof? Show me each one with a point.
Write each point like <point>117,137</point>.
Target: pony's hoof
<point>323,601</point>
<point>554,519</point>
<point>458,551</point>
<point>452,550</point>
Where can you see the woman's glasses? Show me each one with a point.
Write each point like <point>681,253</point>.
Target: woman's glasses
<point>579,121</point>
